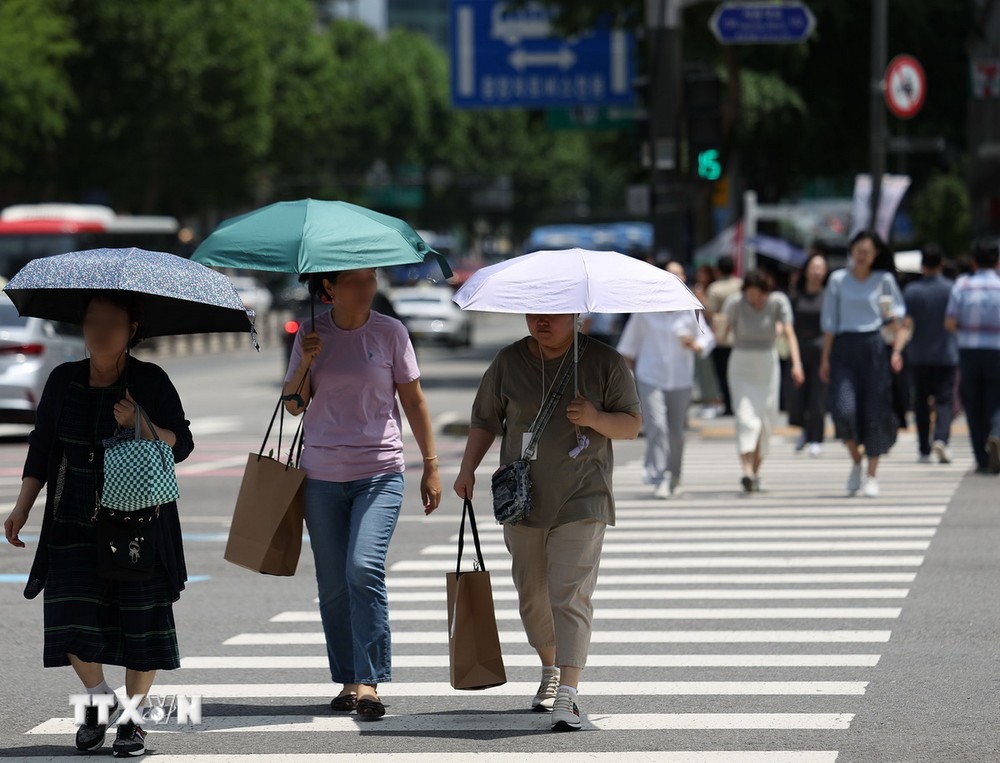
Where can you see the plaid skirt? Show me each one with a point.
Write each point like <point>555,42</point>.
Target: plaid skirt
<point>860,392</point>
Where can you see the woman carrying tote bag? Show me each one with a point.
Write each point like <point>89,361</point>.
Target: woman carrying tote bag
<point>351,363</point>
<point>89,620</point>
<point>556,550</point>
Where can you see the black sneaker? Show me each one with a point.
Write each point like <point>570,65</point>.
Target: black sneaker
<point>131,741</point>
<point>90,736</point>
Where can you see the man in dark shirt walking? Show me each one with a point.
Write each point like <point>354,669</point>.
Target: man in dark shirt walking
<point>932,355</point>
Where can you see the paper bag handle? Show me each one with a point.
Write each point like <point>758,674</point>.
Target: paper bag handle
<point>467,509</point>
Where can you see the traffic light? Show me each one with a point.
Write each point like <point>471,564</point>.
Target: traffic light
<point>703,111</point>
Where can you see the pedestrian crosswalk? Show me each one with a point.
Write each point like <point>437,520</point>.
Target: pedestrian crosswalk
<point>728,627</point>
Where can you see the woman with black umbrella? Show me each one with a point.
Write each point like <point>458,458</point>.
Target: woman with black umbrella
<point>90,621</point>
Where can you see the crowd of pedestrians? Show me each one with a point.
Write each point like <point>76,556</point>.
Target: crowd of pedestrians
<point>861,346</point>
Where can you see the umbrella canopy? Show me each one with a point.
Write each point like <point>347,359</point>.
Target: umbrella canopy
<point>312,236</point>
<point>177,296</point>
<point>575,281</point>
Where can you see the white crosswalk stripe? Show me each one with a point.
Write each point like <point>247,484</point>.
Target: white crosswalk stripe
<point>771,609</point>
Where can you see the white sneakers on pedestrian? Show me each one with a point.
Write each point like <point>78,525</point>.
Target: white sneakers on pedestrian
<point>815,449</point>
<point>565,711</point>
<point>662,489</point>
<point>854,479</point>
<point>870,488</point>
<point>545,697</point>
<point>941,452</point>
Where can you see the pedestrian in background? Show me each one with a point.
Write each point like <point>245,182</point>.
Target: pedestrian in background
<point>807,403</point>
<point>556,551</point>
<point>352,362</point>
<point>755,318</point>
<point>857,302</point>
<point>661,349</point>
<point>715,297</point>
<point>974,313</point>
<point>932,355</point>
<point>712,404</point>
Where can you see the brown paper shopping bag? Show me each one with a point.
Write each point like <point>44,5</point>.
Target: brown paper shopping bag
<point>266,531</point>
<point>473,641</point>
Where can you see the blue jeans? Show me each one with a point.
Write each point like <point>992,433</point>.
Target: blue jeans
<point>350,526</point>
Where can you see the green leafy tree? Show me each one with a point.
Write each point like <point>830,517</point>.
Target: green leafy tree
<point>942,213</point>
<point>36,95</point>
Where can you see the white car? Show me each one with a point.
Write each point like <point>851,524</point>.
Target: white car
<point>430,315</point>
<point>29,349</point>
<point>254,294</point>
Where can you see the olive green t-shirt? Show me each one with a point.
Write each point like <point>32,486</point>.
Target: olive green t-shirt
<point>564,489</point>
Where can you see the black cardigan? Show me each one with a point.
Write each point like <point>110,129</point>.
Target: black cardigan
<point>152,389</point>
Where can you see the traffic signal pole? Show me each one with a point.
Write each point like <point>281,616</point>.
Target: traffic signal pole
<point>876,116</point>
<point>666,191</point>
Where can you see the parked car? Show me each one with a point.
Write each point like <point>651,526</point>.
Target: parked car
<point>430,315</point>
<point>254,294</point>
<point>29,349</point>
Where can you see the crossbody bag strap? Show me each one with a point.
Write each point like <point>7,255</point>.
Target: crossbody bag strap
<point>550,407</point>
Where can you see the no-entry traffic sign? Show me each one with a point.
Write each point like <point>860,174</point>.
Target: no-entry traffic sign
<point>905,86</point>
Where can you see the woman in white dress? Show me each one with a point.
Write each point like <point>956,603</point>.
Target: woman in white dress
<point>755,318</point>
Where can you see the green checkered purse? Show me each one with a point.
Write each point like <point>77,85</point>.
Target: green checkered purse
<point>139,477</point>
<point>138,473</point>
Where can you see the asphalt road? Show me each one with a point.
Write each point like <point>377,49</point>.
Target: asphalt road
<point>792,625</point>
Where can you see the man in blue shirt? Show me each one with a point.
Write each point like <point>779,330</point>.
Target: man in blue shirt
<point>974,312</point>
<point>932,355</point>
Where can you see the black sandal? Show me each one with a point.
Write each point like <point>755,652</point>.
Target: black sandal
<point>370,709</point>
<point>344,702</point>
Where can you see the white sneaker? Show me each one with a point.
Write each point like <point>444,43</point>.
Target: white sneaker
<point>854,479</point>
<point>545,697</point>
<point>662,489</point>
<point>815,449</point>
<point>870,488</point>
<point>924,458</point>
<point>940,450</point>
<point>675,482</point>
<point>565,712</point>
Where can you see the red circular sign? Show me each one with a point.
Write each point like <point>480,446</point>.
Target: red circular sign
<point>905,86</point>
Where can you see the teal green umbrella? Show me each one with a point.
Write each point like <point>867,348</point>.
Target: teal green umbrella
<point>312,236</point>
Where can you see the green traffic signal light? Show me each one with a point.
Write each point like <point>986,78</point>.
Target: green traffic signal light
<point>709,164</point>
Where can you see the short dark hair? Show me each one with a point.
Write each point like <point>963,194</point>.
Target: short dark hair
<point>725,265</point>
<point>931,257</point>
<point>128,301</point>
<point>986,252</point>
<point>759,279</point>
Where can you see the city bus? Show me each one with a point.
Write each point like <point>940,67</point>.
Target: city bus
<point>28,231</point>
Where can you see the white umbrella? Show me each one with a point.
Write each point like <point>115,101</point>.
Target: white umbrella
<point>575,281</point>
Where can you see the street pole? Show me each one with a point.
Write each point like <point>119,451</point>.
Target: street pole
<point>666,197</point>
<point>876,116</point>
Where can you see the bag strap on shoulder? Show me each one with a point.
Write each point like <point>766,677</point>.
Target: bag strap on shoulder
<point>550,405</point>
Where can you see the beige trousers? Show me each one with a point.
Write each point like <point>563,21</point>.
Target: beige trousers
<point>555,572</point>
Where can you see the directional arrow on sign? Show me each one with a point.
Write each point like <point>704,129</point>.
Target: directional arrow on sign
<point>521,59</point>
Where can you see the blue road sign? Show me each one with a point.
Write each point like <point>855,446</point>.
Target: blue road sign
<point>506,56</point>
<point>760,23</point>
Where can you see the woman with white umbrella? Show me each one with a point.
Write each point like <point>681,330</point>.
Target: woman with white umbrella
<point>556,549</point>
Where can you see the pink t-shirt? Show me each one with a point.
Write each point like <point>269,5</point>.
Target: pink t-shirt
<point>352,428</point>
